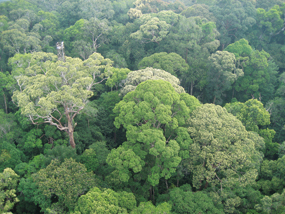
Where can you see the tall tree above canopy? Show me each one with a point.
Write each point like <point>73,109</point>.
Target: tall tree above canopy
<point>51,91</point>
<point>223,153</point>
<point>153,115</point>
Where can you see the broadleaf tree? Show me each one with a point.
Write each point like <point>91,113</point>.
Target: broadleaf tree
<point>54,92</point>
<point>153,115</point>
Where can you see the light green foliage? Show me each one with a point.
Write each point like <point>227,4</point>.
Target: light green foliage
<point>223,73</point>
<point>152,29</point>
<point>16,41</point>
<point>152,114</point>
<point>67,180</point>
<point>223,153</point>
<point>149,208</point>
<point>9,181</point>
<point>136,77</point>
<point>241,49</point>
<point>51,90</point>
<point>252,114</point>
<point>172,63</point>
<point>118,74</point>
<point>275,204</point>
<point>105,201</point>
<point>183,200</point>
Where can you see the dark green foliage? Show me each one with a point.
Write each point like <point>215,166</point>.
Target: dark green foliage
<point>148,207</point>
<point>10,156</point>
<point>66,181</point>
<point>221,51</point>
<point>172,63</point>
<point>183,200</point>
<point>271,176</point>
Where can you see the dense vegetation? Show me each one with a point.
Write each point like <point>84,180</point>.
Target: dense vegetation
<point>149,106</point>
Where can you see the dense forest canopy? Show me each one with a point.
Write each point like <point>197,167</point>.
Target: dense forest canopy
<point>142,106</point>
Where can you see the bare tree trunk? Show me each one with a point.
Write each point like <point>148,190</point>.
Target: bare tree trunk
<point>214,100</point>
<point>166,183</point>
<point>5,102</point>
<point>70,131</point>
<point>71,139</point>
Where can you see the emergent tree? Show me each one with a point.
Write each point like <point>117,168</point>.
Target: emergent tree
<point>51,91</point>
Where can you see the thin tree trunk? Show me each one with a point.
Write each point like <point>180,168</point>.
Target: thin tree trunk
<point>166,183</point>
<point>192,83</point>
<point>153,194</point>
<point>5,102</point>
<point>115,136</point>
<point>214,100</point>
